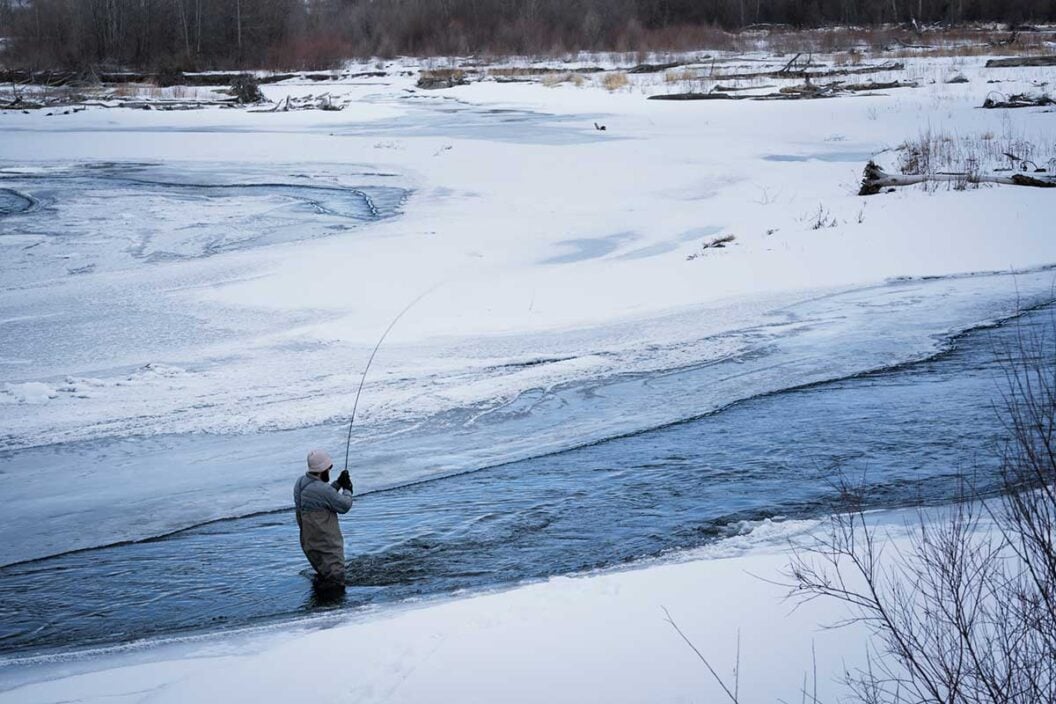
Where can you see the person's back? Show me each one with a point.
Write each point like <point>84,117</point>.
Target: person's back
<point>317,504</point>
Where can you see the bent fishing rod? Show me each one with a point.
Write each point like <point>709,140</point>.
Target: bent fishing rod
<point>363,379</point>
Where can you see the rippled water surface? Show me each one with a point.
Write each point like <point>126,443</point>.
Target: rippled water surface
<point>911,431</point>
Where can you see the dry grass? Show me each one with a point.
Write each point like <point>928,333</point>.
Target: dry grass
<point>615,81</point>
<point>552,80</point>
<point>182,92</point>
<point>153,92</point>
<point>974,155</point>
<point>847,58</point>
<point>518,71</point>
<point>127,90</point>
<point>684,76</point>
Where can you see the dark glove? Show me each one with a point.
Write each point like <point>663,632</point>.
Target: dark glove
<point>344,481</point>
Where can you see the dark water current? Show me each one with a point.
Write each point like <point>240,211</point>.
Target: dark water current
<point>912,430</point>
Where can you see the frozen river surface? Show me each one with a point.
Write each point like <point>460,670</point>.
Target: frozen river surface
<point>99,216</point>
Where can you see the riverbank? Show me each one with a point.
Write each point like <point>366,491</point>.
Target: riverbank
<point>599,637</point>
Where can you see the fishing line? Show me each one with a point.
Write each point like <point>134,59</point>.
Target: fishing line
<point>359,391</point>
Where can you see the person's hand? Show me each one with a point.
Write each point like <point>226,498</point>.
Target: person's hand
<point>344,480</point>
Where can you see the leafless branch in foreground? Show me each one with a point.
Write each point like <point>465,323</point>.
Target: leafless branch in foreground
<point>967,613</point>
<point>731,694</point>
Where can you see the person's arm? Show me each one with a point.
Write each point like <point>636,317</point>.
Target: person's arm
<point>340,501</point>
<point>343,481</point>
<point>297,502</point>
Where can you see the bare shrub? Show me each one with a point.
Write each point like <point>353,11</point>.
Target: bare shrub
<point>970,159</point>
<point>968,612</point>
<point>821,219</point>
<point>326,50</point>
<point>687,37</point>
<point>246,89</point>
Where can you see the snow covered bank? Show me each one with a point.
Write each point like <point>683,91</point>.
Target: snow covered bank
<point>593,638</point>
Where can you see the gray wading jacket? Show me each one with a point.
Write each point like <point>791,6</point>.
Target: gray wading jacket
<point>318,504</point>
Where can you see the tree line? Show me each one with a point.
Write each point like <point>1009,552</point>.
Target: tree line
<point>199,34</point>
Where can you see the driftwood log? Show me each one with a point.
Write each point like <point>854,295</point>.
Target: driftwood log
<point>875,179</point>
<point>525,74</point>
<point>80,103</point>
<point>810,75</point>
<point>805,91</point>
<point>714,95</point>
<point>440,78</point>
<point>1022,62</point>
<point>1019,100</point>
<point>655,68</point>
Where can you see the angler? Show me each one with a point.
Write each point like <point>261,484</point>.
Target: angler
<point>318,502</point>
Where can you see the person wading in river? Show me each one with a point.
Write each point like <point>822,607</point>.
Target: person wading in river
<point>317,503</point>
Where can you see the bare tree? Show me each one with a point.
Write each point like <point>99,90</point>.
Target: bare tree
<point>968,612</point>
<point>148,33</point>
<point>181,12</point>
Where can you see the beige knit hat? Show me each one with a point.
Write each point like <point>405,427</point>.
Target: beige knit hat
<point>319,461</point>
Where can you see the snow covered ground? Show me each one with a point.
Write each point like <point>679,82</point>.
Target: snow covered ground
<point>573,639</point>
<point>596,637</point>
<point>166,337</point>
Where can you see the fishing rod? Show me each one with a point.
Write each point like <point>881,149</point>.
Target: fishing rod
<point>359,391</point>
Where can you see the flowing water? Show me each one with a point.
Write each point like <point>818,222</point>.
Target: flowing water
<point>911,431</point>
